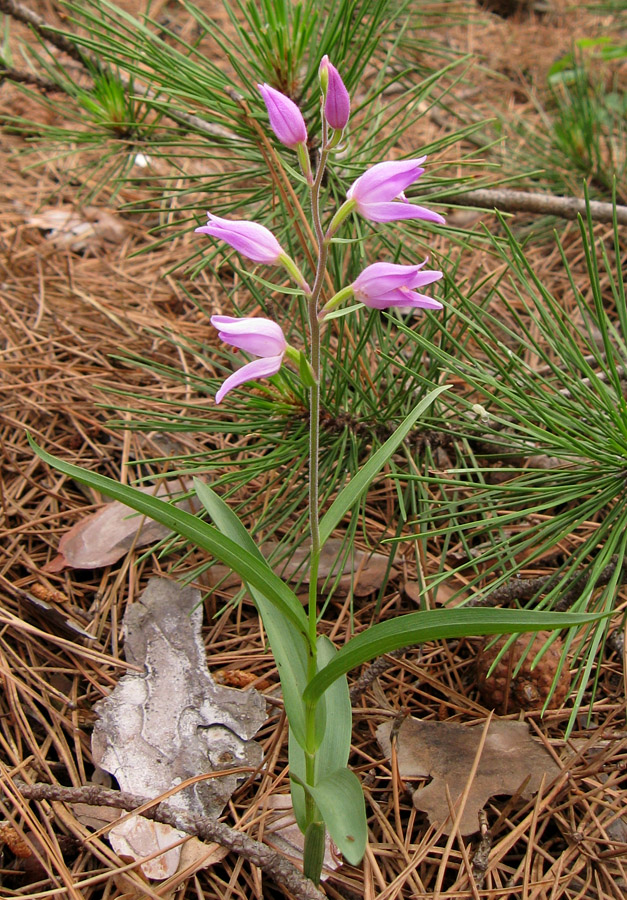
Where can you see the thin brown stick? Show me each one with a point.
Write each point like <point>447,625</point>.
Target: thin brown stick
<point>543,204</point>
<point>273,864</point>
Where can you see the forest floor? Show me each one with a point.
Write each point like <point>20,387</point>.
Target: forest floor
<point>68,306</point>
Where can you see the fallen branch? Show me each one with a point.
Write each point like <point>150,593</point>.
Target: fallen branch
<point>22,13</point>
<point>20,77</point>
<point>378,667</point>
<point>543,204</point>
<point>269,861</point>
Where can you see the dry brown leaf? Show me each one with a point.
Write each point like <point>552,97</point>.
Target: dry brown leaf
<point>159,729</point>
<point>282,831</point>
<point>78,229</point>
<point>445,751</point>
<point>368,569</point>
<point>105,536</point>
<point>136,841</point>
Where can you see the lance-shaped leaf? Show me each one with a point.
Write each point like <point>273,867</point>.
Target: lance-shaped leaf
<point>434,624</point>
<point>340,799</point>
<point>286,641</point>
<point>249,567</point>
<point>336,742</point>
<point>351,493</point>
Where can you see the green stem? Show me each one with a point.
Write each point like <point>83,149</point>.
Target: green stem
<point>314,395</point>
<point>312,815</point>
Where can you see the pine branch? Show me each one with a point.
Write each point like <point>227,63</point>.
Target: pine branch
<point>22,13</point>
<point>519,589</point>
<point>269,861</point>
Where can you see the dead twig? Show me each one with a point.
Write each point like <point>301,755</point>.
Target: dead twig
<point>543,204</point>
<point>378,667</point>
<point>22,13</point>
<point>269,861</point>
<point>524,589</point>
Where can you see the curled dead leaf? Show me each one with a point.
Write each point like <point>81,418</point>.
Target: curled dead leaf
<point>361,570</point>
<point>78,229</point>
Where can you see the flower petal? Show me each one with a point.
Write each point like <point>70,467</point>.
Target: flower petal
<point>256,335</point>
<point>258,368</point>
<point>337,102</point>
<point>286,119</point>
<point>400,297</point>
<point>386,180</point>
<point>393,211</point>
<point>420,279</point>
<point>382,277</point>
<point>251,239</point>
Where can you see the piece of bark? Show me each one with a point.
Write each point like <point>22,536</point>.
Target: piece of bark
<point>159,729</point>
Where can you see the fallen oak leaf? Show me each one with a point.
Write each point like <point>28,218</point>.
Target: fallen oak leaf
<point>511,762</point>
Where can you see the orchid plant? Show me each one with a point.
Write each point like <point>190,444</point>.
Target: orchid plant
<point>326,793</point>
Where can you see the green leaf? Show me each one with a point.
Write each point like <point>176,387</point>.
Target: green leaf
<point>351,493</point>
<point>286,641</point>
<point>336,741</point>
<point>231,526</point>
<point>277,288</point>
<point>305,371</point>
<point>338,313</point>
<point>340,799</point>
<point>430,625</point>
<point>207,537</point>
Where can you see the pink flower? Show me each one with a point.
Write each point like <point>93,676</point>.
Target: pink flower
<point>378,193</point>
<point>383,285</point>
<point>286,118</point>
<point>257,336</point>
<point>337,103</point>
<point>249,238</point>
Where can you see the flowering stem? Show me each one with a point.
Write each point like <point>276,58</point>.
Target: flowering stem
<point>313,858</point>
<point>314,405</point>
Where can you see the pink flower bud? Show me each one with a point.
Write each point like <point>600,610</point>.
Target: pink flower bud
<point>383,285</point>
<point>378,193</point>
<point>257,336</point>
<point>286,119</point>
<point>337,102</point>
<point>252,240</point>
